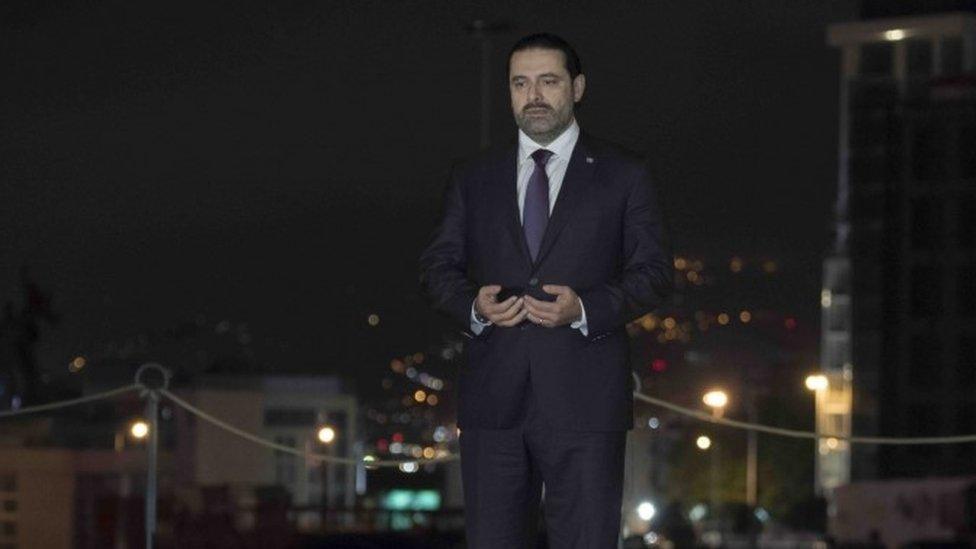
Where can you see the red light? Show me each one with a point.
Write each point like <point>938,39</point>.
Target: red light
<point>659,365</point>
<point>397,437</point>
<point>382,445</point>
<point>790,324</point>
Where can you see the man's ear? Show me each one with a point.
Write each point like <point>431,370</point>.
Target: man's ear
<point>579,86</point>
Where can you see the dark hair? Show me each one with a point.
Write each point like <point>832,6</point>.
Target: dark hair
<point>547,41</point>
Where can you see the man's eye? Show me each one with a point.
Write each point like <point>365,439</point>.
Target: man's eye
<point>549,82</point>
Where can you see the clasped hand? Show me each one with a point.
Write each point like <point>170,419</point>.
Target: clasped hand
<point>564,310</point>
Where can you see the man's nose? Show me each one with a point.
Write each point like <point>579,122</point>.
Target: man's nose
<point>536,91</point>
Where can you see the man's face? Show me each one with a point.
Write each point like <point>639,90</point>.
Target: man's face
<point>543,93</point>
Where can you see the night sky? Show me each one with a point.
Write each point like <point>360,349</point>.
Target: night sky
<point>283,167</point>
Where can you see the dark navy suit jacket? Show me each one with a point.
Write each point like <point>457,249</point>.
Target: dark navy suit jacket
<point>605,239</point>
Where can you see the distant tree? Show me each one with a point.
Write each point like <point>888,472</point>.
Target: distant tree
<point>785,465</point>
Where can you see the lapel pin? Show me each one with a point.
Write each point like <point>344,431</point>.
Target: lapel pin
<point>589,159</point>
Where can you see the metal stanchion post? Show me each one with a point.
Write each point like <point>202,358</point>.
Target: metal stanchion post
<point>818,410</point>
<point>152,414</point>
<point>752,458</point>
<point>150,391</point>
<point>713,478</point>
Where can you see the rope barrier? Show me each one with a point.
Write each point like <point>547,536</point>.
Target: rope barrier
<point>288,449</point>
<point>72,402</point>
<point>682,410</point>
<point>705,416</point>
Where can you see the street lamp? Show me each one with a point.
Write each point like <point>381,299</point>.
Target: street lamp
<point>326,435</point>
<point>818,383</point>
<point>646,511</point>
<point>483,31</point>
<point>139,429</point>
<point>703,442</point>
<point>717,400</point>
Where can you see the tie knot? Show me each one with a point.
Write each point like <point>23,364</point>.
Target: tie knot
<point>541,156</point>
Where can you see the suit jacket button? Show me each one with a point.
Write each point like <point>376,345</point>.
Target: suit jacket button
<point>533,281</point>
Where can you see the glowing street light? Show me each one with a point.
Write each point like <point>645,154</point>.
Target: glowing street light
<point>704,442</point>
<point>894,35</point>
<point>139,429</point>
<point>646,510</point>
<point>717,400</point>
<point>409,467</point>
<point>326,434</point>
<point>77,364</point>
<point>817,382</point>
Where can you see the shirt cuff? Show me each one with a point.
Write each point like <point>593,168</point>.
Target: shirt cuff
<point>476,325</point>
<point>581,323</point>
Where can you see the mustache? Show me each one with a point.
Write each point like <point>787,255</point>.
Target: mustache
<point>536,106</point>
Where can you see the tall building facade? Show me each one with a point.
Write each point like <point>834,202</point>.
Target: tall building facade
<point>899,296</point>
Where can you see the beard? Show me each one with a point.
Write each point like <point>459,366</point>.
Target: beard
<point>543,126</point>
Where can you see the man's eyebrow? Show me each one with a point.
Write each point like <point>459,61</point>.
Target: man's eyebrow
<point>543,75</point>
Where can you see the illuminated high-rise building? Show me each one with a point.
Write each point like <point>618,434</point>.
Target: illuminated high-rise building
<point>899,292</point>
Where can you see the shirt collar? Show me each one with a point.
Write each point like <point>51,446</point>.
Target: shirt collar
<point>561,147</point>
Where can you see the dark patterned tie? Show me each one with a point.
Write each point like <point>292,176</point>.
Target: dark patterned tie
<point>535,211</point>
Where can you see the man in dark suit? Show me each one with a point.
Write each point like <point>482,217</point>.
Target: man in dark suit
<point>546,250</point>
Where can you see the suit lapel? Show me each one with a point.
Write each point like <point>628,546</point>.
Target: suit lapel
<point>578,174</point>
<point>508,189</point>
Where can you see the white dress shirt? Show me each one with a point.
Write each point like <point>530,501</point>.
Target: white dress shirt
<point>562,149</point>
